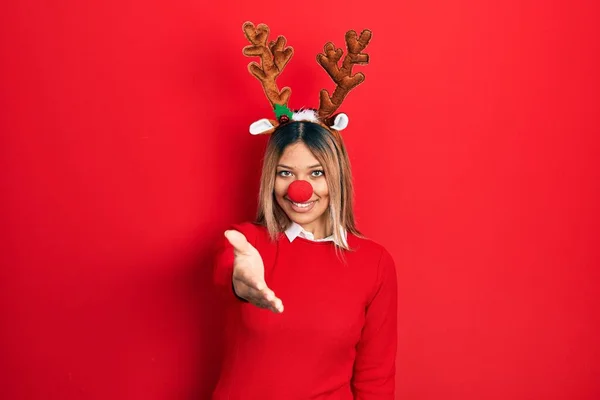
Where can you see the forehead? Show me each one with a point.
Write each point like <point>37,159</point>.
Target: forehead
<point>298,155</point>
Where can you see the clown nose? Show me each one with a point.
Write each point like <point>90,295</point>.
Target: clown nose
<point>300,191</point>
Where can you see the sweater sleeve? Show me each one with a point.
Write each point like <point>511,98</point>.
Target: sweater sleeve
<point>224,257</point>
<point>375,365</point>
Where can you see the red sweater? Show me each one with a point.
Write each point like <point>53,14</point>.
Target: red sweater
<point>336,338</point>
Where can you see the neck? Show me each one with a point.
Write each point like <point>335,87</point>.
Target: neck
<point>320,228</point>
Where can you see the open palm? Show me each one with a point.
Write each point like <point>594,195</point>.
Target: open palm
<point>249,274</point>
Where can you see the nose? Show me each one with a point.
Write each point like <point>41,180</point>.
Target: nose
<point>299,191</point>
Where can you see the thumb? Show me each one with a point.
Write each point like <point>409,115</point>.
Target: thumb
<point>238,241</point>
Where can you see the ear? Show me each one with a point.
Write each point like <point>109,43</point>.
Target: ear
<point>262,127</point>
<point>340,122</point>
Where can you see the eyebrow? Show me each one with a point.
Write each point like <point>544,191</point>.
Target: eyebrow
<point>287,167</point>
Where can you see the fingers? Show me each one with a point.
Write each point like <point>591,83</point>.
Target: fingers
<point>267,299</point>
<point>238,241</point>
<point>264,298</point>
<point>275,306</point>
<point>272,302</point>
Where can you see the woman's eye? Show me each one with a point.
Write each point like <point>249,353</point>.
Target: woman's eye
<point>315,174</point>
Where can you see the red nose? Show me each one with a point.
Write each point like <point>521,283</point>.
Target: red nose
<point>300,191</point>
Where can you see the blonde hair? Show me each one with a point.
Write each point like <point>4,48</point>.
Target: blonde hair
<point>328,148</point>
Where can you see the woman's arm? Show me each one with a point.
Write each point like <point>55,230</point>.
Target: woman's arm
<point>375,365</point>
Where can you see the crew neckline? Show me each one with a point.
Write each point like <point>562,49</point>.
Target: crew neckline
<point>312,242</point>
<point>295,231</point>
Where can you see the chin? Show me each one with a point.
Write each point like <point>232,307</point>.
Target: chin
<point>305,219</point>
<point>302,219</point>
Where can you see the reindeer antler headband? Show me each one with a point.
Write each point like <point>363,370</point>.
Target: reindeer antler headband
<point>275,56</point>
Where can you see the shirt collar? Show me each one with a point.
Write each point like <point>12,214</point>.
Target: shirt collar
<point>295,230</point>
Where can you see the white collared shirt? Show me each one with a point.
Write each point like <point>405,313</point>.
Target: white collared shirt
<point>295,230</point>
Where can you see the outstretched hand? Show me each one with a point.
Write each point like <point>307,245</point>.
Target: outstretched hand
<point>249,274</point>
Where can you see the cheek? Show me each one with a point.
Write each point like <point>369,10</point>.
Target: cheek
<point>324,202</point>
<point>320,188</point>
<point>280,187</point>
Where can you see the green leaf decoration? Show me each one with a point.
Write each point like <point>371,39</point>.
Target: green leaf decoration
<point>282,110</point>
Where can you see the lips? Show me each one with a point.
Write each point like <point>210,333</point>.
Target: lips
<point>302,207</point>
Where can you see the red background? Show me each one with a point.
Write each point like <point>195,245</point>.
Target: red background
<point>125,153</point>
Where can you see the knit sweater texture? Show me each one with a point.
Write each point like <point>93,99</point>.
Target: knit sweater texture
<point>337,336</point>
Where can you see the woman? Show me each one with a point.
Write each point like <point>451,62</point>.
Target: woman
<point>311,303</point>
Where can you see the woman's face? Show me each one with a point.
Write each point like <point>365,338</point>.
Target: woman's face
<point>298,162</point>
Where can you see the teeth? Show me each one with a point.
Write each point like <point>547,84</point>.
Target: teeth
<point>302,205</point>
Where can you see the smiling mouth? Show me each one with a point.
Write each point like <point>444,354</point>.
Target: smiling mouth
<point>302,205</point>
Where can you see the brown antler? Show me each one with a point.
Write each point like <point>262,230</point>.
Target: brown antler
<point>273,59</point>
<point>343,77</point>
